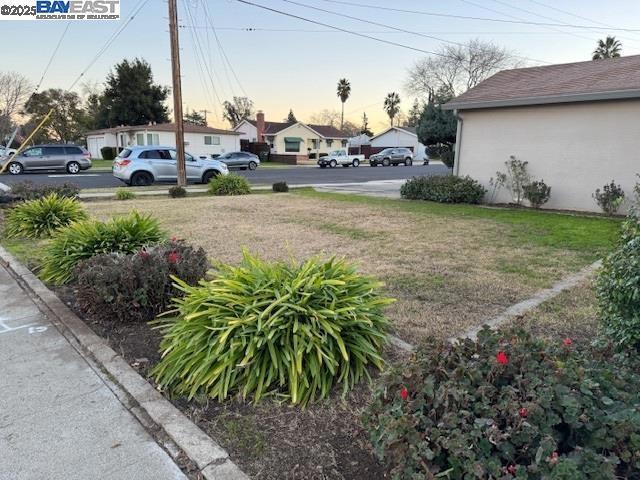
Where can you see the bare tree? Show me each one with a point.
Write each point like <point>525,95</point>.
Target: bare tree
<point>457,68</point>
<point>326,117</point>
<point>14,91</point>
<point>238,110</point>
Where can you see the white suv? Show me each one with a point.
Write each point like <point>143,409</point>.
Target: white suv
<point>141,166</point>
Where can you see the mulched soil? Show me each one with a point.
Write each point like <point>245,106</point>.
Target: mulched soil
<point>270,440</point>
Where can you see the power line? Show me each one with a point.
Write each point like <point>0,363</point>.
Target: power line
<point>224,53</point>
<point>53,54</point>
<point>340,29</point>
<point>482,19</point>
<point>411,32</point>
<point>111,39</point>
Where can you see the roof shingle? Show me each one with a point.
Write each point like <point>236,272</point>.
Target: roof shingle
<point>569,82</point>
<point>164,127</point>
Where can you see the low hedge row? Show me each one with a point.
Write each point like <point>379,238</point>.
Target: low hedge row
<point>443,189</point>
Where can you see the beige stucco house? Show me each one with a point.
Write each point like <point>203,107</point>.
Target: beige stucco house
<point>293,142</point>
<point>577,124</point>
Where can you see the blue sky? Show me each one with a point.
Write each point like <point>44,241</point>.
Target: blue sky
<point>299,66</point>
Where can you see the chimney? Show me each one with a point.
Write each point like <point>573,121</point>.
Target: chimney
<point>260,126</point>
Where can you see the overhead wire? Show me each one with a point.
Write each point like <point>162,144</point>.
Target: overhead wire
<point>53,54</point>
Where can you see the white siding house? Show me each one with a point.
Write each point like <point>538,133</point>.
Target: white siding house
<point>400,137</point>
<point>577,124</point>
<point>198,140</point>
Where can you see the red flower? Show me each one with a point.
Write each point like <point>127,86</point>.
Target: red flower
<point>567,341</point>
<point>173,257</point>
<point>502,358</point>
<point>404,393</point>
<point>523,412</point>
<point>553,458</point>
<point>511,469</point>
<point>143,253</point>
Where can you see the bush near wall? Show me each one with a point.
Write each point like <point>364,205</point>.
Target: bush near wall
<point>443,189</point>
<point>137,287</point>
<point>508,406</point>
<point>108,153</point>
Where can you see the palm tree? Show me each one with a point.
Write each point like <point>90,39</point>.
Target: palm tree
<point>609,48</point>
<point>344,90</point>
<point>392,105</point>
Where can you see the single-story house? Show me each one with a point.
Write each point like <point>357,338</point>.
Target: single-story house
<point>577,124</point>
<point>198,140</point>
<point>292,142</point>
<point>398,137</point>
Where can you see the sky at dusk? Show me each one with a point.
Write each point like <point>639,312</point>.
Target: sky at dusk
<point>287,63</point>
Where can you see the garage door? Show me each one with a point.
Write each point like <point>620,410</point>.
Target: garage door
<point>94,144</point>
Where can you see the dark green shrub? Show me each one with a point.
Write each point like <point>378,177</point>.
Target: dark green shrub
<point>82,240</point>
<point>610,198</point>
<point>509,406</point>
<point>447,156</point>
<point>280,187</point>
<point>29,191</point>
<point>232,184</point>
<point>137,287</point>
<point>618,290</point>
<point>177,192</point>
<point>293,330</point>
<point>538,193</point>
<point>41,217</point>
<point>108,153</point>
<point>443,189</point>
<point>124,194</point>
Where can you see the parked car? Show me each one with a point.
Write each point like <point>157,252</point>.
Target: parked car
<point>6,152</point>
<point>242,160</point>
<point>144,165</point>
<point>70,158</point>
<point>392,156</point>
<point>340,157</point>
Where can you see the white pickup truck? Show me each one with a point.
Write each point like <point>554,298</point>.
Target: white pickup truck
<point>340,157</point>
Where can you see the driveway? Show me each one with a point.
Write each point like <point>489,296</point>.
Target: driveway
<point>293,176</point>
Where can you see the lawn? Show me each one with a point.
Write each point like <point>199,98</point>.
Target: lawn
<point>449,266</point>
<point>99,164</point>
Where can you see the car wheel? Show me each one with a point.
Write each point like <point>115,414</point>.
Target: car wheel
<point>206,178</point>
<point>253,165</point>
<point>408,162</point>
<point>386,162</point>
<point>15,168</point>
<point>356,163</point>
<point>141,179</point>
<point>73,168</point>
<point>333,164</point>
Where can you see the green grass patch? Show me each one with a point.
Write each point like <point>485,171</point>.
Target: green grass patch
<point>26,251</point>
<point>590,234</point>
<point>101,164</point>
<point>350,232</point>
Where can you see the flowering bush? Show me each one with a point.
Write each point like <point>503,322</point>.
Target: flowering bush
<point>509,406</point>
<point>137,287</point>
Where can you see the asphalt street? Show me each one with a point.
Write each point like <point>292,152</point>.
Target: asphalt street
<point>293,176</point>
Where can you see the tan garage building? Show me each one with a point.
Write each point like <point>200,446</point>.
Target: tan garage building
<point>577,124</point>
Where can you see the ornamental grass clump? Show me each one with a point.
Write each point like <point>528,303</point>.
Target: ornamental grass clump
<point>509,406</point>
<point>42,217</point>
<point>82,240</point>
<point>288,329</point>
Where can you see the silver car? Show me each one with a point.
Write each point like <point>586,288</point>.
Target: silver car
<point>70,158</point>
<point>242,160</point>
<point>144,165</point>
<point>392,156</point>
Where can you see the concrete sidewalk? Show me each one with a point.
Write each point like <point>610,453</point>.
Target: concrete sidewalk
<point>58,418</point>
<point>376,188</point>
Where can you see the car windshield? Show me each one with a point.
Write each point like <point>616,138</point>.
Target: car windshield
<point>387,150</point>
<point>335,153</point>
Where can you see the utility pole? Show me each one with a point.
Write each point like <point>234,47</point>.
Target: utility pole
<point>205,111</point>
<point>177,92</point>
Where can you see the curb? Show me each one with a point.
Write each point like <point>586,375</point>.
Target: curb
<point>143,401</point>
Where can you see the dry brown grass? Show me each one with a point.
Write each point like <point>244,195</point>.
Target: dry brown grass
<point>448,273</point>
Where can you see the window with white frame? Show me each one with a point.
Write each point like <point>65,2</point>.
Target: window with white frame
<point>139,138</point>
<point>153,139</point>
<point>211,140</point>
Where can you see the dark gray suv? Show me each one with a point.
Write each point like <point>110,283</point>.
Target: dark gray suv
<point>69,158</point>
<point>392,156</point>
